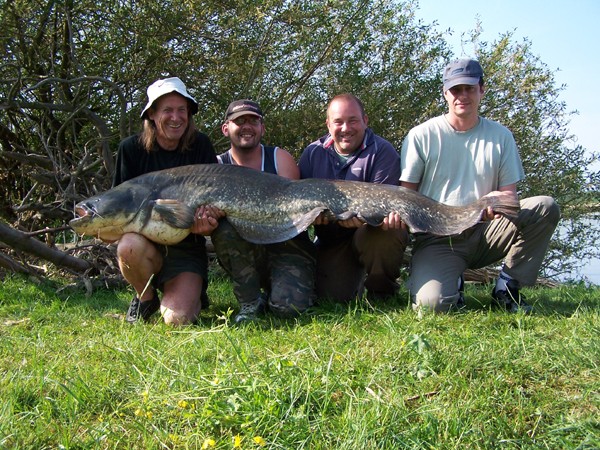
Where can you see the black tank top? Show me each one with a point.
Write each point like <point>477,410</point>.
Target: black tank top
<point>268,159</point>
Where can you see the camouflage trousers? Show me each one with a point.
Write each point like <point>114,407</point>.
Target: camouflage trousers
<point>284,271</point>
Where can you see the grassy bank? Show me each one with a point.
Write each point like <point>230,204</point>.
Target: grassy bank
<point>75,376</point>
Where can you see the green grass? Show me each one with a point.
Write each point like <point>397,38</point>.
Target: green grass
<point>73,375</point>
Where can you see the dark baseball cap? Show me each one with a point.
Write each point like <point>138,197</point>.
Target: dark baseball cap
<point>462,71</point>
<point>240,108</point>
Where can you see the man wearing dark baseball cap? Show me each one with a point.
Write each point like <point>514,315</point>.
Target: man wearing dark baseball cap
<point>457,158</point>
<point>240,108</point>
<point>168,139</point>
<point>462,71</point>
<point>278,278</point>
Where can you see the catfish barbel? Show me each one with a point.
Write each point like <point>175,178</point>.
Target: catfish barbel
<point>264,208</point>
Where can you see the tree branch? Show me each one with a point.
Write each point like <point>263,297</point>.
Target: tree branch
<point>23,242</point>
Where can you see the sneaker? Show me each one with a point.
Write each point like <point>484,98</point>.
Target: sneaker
<point>510,299</point>
<point>251,310</point>
<point>142,310</point>
<point>460,303</point>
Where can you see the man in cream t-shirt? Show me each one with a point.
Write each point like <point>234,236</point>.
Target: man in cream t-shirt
<point>456,159</point>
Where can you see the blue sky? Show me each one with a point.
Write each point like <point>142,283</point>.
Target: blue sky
<point>565,35</point>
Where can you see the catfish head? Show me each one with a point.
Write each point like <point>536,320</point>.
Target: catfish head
<point>133,208</point>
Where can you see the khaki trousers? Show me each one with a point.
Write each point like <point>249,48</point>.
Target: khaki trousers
<point>437,262</point>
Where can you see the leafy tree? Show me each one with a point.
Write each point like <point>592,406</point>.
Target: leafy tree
<point>74,75</point>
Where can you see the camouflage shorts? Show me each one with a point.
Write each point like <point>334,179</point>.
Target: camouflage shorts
<point>285,271</point>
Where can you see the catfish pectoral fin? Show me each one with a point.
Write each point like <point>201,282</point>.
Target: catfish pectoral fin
<point>345,215</point>
<point>306,220</point>
<point>278,229</point>
<point>174,213</point>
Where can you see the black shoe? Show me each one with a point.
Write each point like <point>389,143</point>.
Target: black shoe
<point>142,310</point>
<point>460,302</point>
<point>510,299</point>
<point>249,311</point>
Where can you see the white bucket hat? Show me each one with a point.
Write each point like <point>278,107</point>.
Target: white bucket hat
<point>166,86</point>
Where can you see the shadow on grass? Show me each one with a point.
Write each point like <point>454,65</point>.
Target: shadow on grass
<point>20,293</point>
<point>568,300</point>
<point>564,300</point>
<point>325,311</point>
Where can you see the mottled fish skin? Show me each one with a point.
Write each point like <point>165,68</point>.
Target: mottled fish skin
<point>264,208</point>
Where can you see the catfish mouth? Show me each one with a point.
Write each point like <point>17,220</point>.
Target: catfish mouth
<point>83,214</point>
<point>81,211</point>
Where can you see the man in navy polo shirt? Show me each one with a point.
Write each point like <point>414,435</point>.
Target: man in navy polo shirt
<point>352,255</point>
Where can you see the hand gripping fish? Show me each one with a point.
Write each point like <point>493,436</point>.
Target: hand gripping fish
<point>264,208</point>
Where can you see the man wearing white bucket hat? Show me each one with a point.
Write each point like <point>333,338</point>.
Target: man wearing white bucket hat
<point>168,139</point>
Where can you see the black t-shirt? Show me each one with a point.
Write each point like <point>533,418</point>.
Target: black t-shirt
<point>133,159</point>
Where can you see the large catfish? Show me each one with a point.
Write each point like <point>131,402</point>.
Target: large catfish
<point>264,208</point>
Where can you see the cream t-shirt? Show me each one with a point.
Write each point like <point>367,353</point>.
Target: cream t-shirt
<point>459,167</point>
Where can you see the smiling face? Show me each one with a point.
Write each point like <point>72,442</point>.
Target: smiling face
<point>244,132</point>
<point>171,116</point>
<point>347,124</point>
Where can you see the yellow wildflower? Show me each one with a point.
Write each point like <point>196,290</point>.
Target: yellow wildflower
<point>260,441</point>
<point>208,443</point>
<point>182,404</point>
<point>237,441</point>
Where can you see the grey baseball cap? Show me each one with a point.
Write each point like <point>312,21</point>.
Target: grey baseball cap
<point>462,71</point>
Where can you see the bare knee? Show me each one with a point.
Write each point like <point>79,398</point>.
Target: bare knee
<point>132,246</point>
<point>176,318</point>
